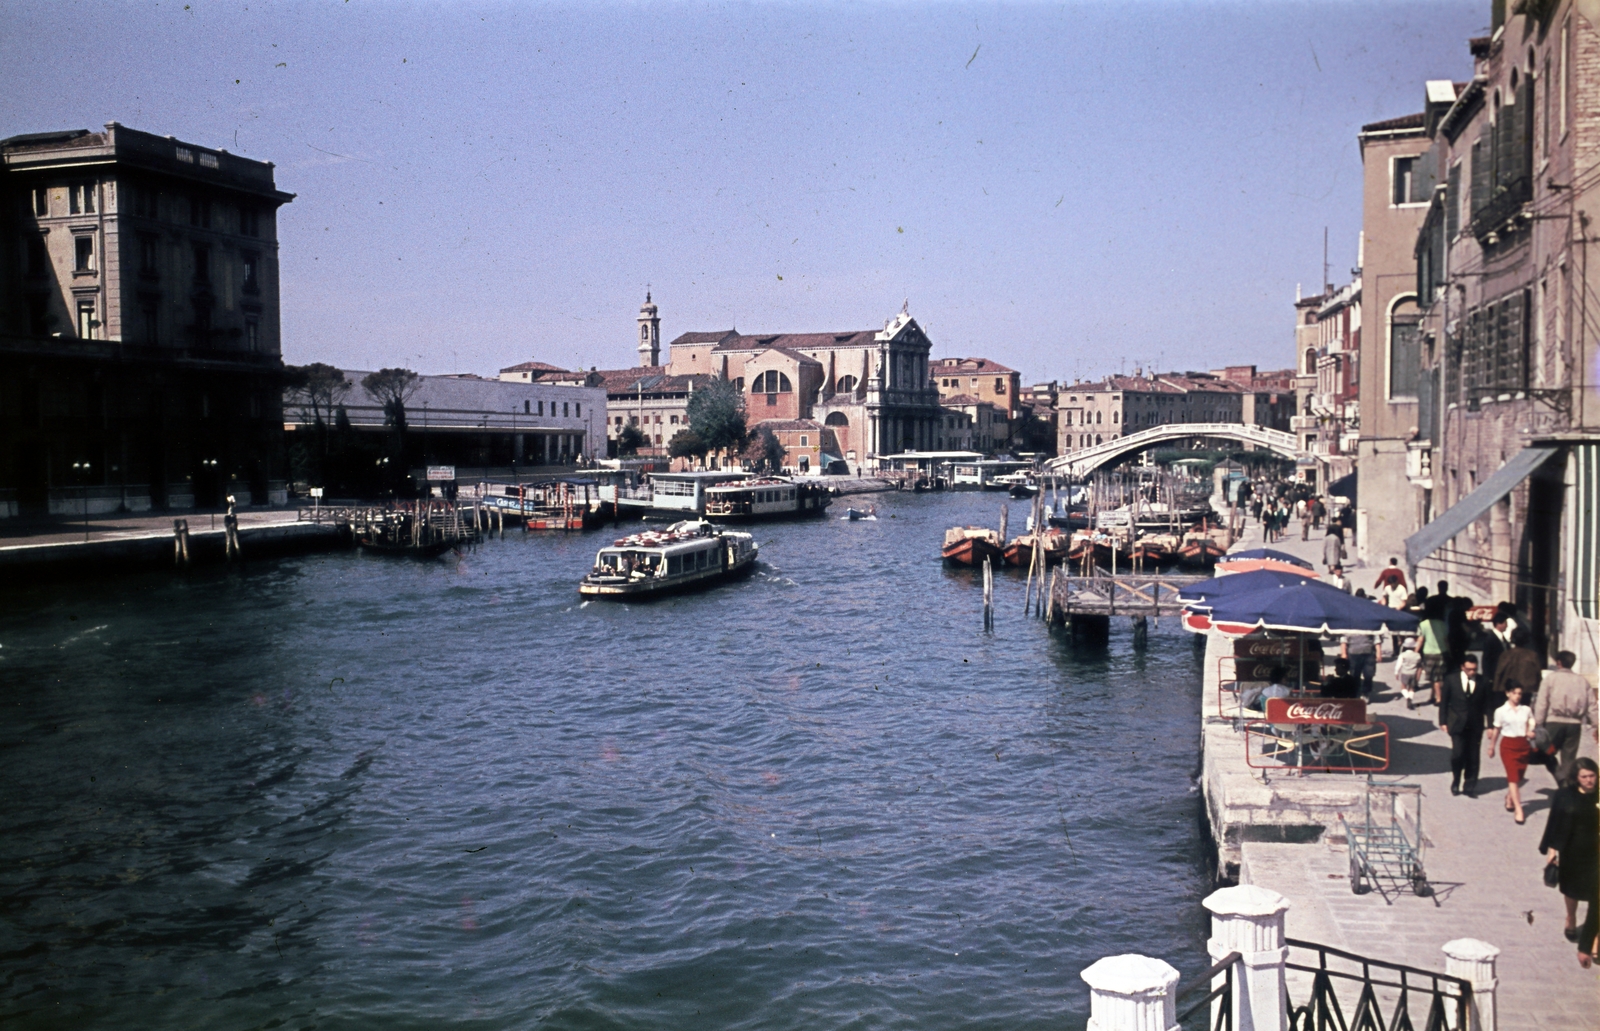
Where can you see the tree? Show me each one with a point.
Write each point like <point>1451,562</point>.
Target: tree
<point>392,388</point>
<point>317,391</point>
<point>629,441</point>
<point>716,415</point>
<point>687,444</point>
<point>765,450</point>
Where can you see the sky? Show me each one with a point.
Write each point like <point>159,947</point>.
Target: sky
<point>1068,189</point>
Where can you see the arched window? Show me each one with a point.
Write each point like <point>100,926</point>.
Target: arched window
<point>836,419</point>
<point>1405,347</point>
<point>1099,439</point>
<point>1098,416</point>
<point>644,332</point>
<point>771,382</point>
<point>846,384</point>
<point>1311,360</point>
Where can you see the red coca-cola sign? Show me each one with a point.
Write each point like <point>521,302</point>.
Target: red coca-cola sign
<point>1275,647</point>
<point>1316,710</point>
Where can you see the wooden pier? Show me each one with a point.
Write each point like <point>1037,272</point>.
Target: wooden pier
<point>1087,603</point>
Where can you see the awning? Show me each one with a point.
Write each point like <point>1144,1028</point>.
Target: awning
<point>1466,511</point>
<point>1344,487</point>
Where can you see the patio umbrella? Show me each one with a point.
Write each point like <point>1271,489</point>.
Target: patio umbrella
<point>1267,553</point>
<point>1226,567</point>
<point>1208,591</point>
<point>1307,607</point>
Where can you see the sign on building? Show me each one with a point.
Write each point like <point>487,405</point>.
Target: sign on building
<point>441,472</point>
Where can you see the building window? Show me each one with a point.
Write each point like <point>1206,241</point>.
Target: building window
<point>527,407</point>
<point>147,256</point>
<point>674,421</point>
<point>86,320</point>
<point>577,410</point>
<point>999,385</point>
<point>252,281</point>
<point>144,200</point>
<point>771,382</point>
<point>804,440</point>
<point>249,220</point>
<point>80,199</point>
<point>150,314</point>
<point>200,212</point>
<point>252,336</point>
<point>83,253</point>
<point>202,264</point>
<point>202,323</point>
<point>41,202</point>
<point>564,410</point>
<point>541,408</point>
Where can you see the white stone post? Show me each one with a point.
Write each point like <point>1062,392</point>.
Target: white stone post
<point>1248,919</point>
<point>1474,960</point>
<point>1131,993</point>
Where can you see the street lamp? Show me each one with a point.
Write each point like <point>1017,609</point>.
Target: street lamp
<point>210,465</point>
<point>83,469</point>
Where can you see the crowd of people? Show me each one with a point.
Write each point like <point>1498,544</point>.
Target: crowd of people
<point>1487,681</point>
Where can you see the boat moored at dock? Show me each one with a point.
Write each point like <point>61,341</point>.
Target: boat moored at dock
<point>766,498</point>
<point>970,545</point>
<point>686,556</point>
<point>546,505</point>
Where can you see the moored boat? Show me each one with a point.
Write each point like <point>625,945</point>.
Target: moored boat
<point>685,556</point>
<point>766,498</point>
<point>1202,547</point>
<point>970,545</point>
<point>1054,543</point>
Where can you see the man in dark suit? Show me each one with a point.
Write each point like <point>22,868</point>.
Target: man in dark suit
<point>1463,700</point>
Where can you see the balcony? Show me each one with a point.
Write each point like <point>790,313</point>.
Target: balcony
<point>1419,465</point>
<point>1506,202</point>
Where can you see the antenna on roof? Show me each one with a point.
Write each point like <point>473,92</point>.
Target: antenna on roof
<point>905,306</point>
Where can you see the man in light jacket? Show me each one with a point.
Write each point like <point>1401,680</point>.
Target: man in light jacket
<point>1564,707</point>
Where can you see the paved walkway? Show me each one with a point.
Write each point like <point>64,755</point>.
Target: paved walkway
<point>1486,869</point>
<point>133,527</point>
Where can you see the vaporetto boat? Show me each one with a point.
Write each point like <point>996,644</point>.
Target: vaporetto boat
<point>685,556</point>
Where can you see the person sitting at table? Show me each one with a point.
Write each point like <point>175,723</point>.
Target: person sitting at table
<point>1256,698</point>
<point>1343,683</point>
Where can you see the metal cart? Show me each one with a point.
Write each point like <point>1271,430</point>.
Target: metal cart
<point>1386,846</point>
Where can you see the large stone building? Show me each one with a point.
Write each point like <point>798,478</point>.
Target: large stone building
<point>139,346</point>
<point>1502,453</point>
<point>1090,413</point>
<point>870,388</point>
<point>1327,423</point>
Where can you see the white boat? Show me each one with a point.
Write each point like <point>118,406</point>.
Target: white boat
<point>766,498</point>
<point>685,556</point>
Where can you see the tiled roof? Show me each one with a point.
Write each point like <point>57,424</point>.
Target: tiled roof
<point>980,365</point>
<point>704,338</point>
<point>957,400</point>
<point>1403,122</point>
<point>803,359</point>
<point>533,367</point>
<point>788,425</point>
<point>799,341</point>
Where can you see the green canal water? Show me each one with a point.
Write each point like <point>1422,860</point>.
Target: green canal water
<point>343,791</point>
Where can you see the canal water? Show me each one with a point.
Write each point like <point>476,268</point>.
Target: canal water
<point>346,791</point>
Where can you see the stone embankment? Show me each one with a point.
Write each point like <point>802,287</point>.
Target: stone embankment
<point>148,542</point>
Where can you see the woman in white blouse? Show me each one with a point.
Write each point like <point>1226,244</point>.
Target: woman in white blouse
<point>1513,732</point>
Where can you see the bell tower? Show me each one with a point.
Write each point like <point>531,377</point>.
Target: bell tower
<point>649,333</point>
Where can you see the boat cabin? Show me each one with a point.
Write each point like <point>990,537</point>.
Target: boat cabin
<point>754,499</point>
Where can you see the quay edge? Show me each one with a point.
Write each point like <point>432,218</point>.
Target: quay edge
<point>64,557</point>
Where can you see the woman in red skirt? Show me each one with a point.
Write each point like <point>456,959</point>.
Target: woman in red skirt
<point>1513,732</point>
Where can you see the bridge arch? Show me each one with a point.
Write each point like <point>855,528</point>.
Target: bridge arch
<point>1084,461</point>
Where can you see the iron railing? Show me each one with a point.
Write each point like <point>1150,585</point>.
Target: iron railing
<point>1448,999</point>
<point>1223,1021</point>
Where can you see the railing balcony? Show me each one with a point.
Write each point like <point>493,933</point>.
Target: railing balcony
<point>1506,202</point>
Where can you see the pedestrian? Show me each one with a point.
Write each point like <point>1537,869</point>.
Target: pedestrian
<point>1333,547</point>
<point>1336,579</point>
<point>1406,665</point>
<point>1391,575</point>
<point>1343,683</point>
<point>1319,511</point>
<point>1432,640</point>
<point>1512,730</point>
<point>1492,644</point>
<point>1564,707</point>
<point>1361,650</point>
<point>1570,845</point>
<point>1519,667</point>
<point>1305,520</point>
<point>1463,699</point>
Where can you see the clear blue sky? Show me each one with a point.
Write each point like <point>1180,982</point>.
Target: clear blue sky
<point>1065,189</point>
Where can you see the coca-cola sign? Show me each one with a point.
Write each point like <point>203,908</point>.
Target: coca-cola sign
<point>1316,710</point>
<point>1275,647</point>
